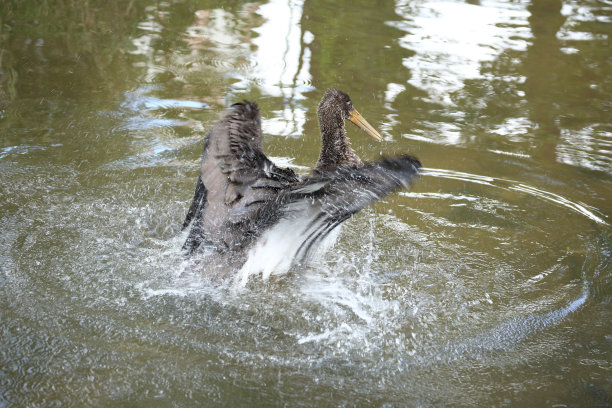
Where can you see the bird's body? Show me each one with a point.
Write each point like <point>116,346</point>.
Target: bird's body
<point>263,218</point>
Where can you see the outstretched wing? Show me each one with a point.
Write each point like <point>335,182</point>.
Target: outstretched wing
<point>330,198</point>
<point>236,178</point>
<point>304,214</point>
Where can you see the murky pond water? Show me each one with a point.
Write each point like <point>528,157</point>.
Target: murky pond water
<point>487,284</point>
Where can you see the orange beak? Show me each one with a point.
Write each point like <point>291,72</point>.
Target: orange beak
<point>363,124</point>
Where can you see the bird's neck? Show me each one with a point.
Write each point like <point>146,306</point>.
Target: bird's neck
<point>336,150</point>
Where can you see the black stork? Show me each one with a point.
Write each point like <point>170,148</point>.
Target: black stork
<point>261,218</point>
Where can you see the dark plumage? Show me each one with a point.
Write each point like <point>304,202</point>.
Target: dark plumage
<point>241,196</point>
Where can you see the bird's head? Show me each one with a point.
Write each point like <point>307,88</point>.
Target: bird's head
<point>337,105</point>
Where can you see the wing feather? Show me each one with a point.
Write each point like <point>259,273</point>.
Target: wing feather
<point>329,198</point>
<point>236,178</point>
<point>302,216</point>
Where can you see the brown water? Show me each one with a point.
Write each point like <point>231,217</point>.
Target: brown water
<point>488,284</point>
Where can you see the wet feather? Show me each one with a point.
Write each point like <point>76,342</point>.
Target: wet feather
<point>265,218</point>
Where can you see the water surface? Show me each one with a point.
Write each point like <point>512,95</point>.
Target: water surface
<point>487,284</point>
